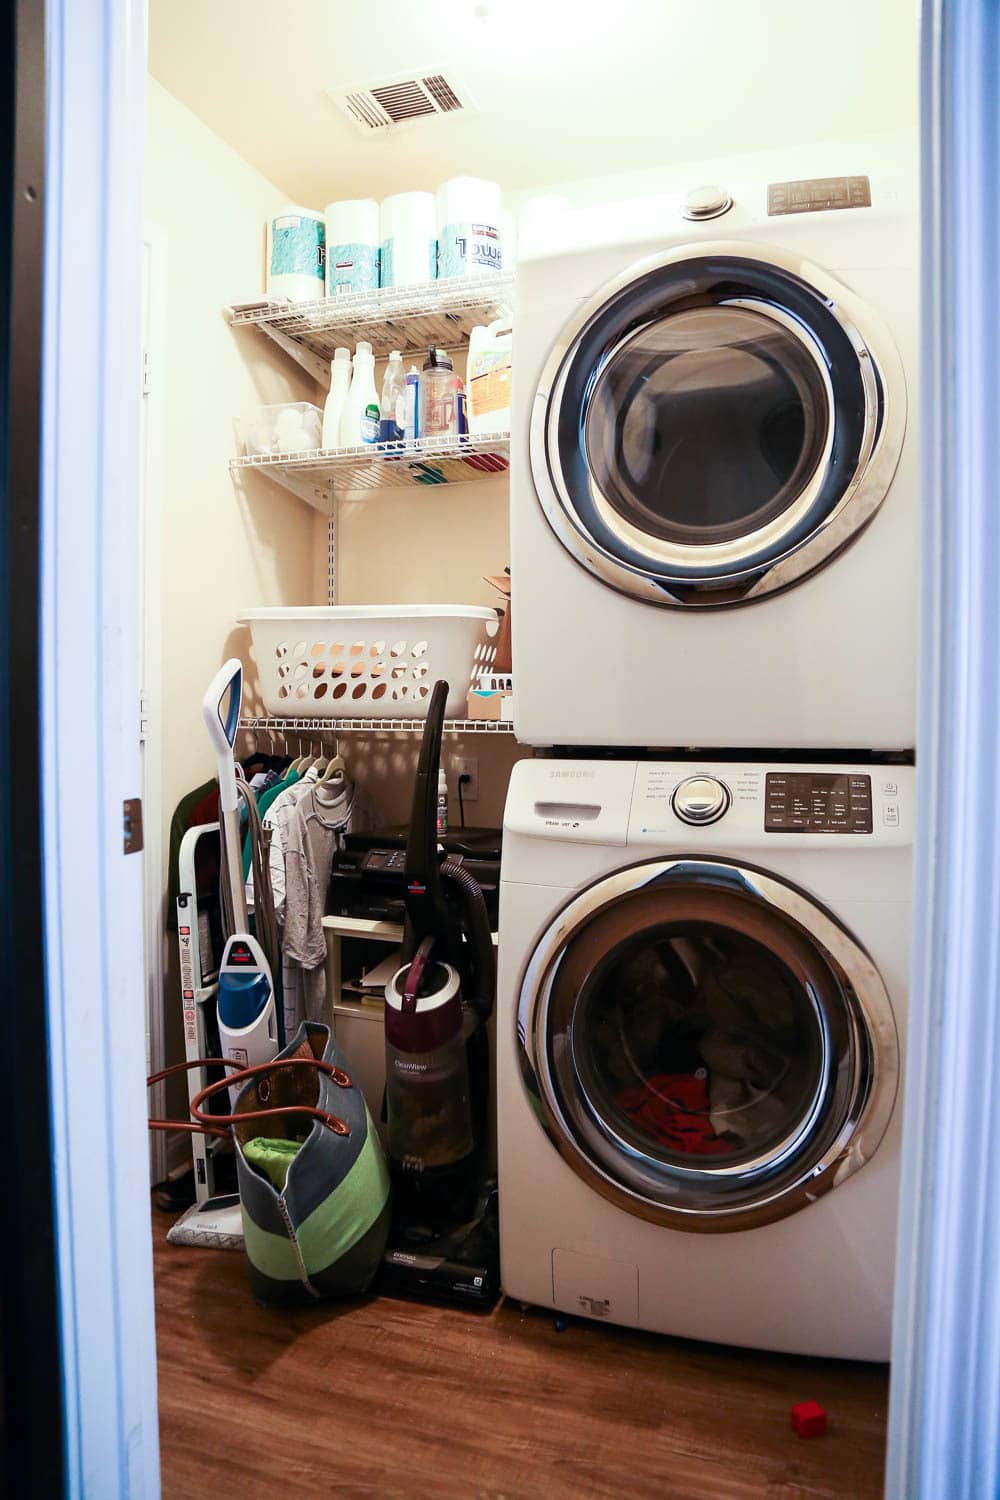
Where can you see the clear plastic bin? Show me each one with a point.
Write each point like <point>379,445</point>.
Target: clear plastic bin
<point>289,427</point>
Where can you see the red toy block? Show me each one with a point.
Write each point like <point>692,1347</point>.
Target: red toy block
<point>808,1419</point>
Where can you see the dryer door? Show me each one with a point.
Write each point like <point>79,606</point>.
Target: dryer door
<point>709,1049</point>
<point>716,424</point>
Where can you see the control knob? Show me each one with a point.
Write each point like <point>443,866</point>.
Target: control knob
<point>700,799</point>
<point>708,202</point>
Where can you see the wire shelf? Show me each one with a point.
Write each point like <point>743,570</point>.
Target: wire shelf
<point>330,727</point>
<point>410,319</point>
<point>322,475</point>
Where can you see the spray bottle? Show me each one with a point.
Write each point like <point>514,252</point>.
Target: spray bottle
<point>411,410</point>
<point>392,411</point>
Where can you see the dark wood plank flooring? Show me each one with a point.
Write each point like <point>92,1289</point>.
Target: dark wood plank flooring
<point>386,1398</point>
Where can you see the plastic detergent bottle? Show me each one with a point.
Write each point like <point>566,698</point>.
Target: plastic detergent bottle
<point>359,423</point>
<point>392,411</point>
<point>489,370</point>
<point>411,410</point>
<point>333,408</point>
<point>438,396</point>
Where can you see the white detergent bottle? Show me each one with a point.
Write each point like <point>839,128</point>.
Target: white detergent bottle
<point>333,409</point>
<point>359,423</point>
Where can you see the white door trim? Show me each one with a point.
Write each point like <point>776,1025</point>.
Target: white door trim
<point>96,67</point>
<point>151,648</point>
<point>944,1430</point>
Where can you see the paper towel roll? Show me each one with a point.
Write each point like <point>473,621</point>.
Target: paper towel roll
<point>409,244</point>
<point>295,254</point>
<point>352,236</point>
<point>468,227</point>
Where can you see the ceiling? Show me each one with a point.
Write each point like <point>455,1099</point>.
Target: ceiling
<point>562,89</point>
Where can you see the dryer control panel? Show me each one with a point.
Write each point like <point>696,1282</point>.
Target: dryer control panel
<point>817,802</point>
<point>719,805</point>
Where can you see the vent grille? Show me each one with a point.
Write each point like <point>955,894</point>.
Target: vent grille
<point>402,101</point>
<point>364,112</point>
<point>442,93</point>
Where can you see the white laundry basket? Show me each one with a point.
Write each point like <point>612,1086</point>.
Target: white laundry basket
<point>369,661</point>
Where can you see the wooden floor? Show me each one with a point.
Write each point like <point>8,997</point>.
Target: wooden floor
<point>394,1399</point>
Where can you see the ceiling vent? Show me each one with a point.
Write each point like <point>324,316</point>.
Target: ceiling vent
<point>402,101</point>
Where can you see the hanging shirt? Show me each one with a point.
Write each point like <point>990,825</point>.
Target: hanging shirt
<point>314,832</point>
<point>273,821</point>
<point>264,804</point>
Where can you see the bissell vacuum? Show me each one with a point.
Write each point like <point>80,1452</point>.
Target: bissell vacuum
<point>444,1240</point>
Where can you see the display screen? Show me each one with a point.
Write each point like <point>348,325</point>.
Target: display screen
<point>818,194</point>
<point>803,802</point>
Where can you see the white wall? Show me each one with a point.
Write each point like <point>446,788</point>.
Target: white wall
<point>224,547</point>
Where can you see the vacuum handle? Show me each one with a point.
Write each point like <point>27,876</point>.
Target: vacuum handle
<point>222,731</point>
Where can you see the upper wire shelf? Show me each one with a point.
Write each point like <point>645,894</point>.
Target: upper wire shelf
<point>319,476</point>
<point>410,319</point>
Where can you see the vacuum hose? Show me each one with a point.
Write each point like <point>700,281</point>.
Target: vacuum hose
<point>479,968</point>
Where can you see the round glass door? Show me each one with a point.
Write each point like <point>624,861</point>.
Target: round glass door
<point>704,422</point>
<point>708,1047</point>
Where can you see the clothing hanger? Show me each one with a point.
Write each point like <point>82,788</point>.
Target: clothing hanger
<point>336,767</point>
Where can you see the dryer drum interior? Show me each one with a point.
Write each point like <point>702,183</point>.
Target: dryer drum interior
<point>716,425</point>
<point>708,1047</point>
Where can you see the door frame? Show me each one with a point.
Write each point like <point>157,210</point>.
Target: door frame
<point>944,1415</point>
<point>149,709</point>
<point>91,421</point>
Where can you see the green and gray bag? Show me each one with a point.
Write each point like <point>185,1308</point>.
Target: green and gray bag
<point>315,1197</point>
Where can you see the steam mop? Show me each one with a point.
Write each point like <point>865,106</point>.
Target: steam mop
<point>246,1012</point>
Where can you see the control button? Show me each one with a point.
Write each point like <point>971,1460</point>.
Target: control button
<point>890,814</point>
<point>708,202</point>
<point>700,799</point>
<point>890,789</point>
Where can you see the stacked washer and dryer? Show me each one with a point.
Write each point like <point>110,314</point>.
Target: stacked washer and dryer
<point>705,909</point>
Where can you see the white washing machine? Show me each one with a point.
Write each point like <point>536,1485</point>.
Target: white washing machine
<point>701,1004</point>
<point>714,466</point>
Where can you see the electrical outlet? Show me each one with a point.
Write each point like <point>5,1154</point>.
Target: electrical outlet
<point>467,765</point>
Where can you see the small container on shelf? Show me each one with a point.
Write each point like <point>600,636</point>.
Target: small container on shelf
<point>288,427</point>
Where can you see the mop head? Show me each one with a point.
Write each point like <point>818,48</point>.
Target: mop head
<point>216,1224</point>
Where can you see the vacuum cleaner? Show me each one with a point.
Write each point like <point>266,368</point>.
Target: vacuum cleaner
<point>248,1020</point>
<point>444,1240</point>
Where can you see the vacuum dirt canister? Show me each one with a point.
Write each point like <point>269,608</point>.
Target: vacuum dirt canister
<point>430,1134</point>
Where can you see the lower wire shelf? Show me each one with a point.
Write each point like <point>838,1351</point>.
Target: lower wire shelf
<point>352,725</point>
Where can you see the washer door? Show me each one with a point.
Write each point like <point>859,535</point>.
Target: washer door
<point>707,1047</point>
<point>716,424</point>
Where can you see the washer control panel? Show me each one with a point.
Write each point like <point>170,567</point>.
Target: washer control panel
<point>700,799</point>
<point>817,802</point>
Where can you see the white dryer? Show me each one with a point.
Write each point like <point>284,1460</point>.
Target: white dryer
<point>714,468</point>
<point>701,1004</point>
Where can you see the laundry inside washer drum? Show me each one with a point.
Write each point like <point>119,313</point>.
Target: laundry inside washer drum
<point>697,1041</point>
